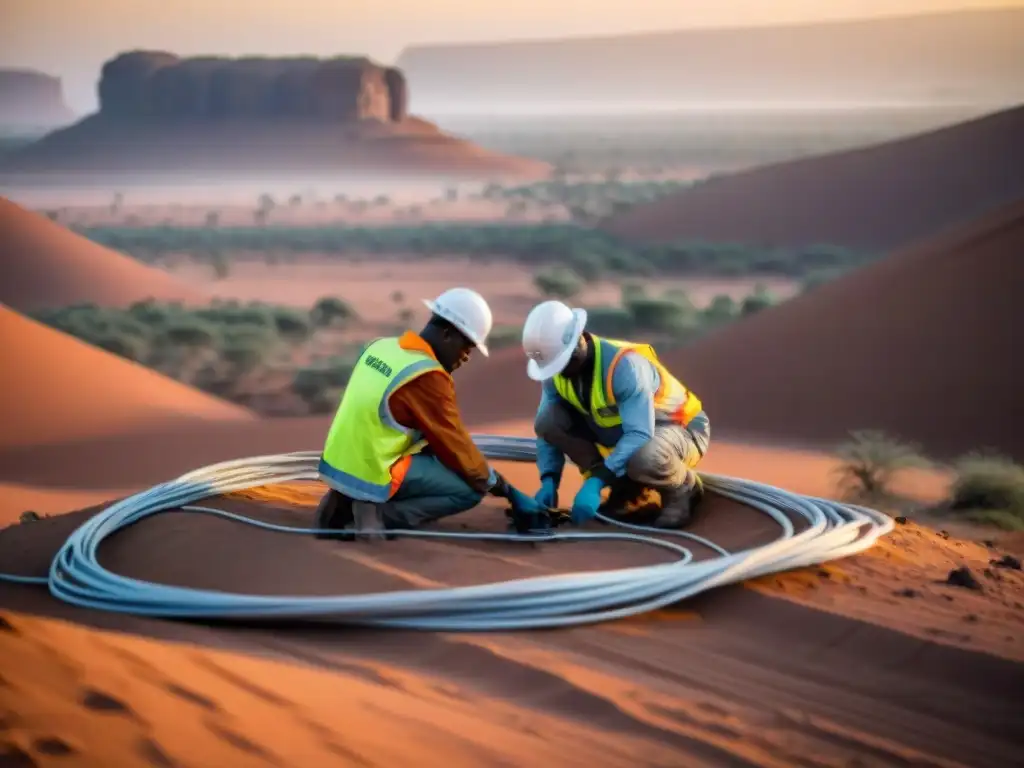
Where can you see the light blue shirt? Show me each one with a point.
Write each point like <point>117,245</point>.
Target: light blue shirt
<point>634,384</point>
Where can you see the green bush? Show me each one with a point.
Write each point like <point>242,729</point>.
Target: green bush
<point>293,325</point>
<point>870,461</point>
<point>331,310</point>
<point>631,291</point>
<point>558,282</point>
<point>760,299</point>
<point>720,311</point>
<point>190,332</point>
<point>662,315</point>
<point>989,489</point>
<point>610,321</point>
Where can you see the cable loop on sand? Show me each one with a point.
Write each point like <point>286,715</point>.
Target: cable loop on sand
<point>834,530</point>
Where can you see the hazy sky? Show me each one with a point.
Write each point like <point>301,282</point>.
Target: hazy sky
<point>72,38</point>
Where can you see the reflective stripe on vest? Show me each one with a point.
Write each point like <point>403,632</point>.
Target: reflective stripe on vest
<point>672,399</point>
<point>364,440</point>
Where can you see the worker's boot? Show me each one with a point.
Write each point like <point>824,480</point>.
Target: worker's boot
<point>677,504</point>
<point>334,513</point>
<point>630,500</point>
<point>347,519</point>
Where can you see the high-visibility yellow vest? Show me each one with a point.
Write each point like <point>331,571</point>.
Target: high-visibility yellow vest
<point>672,399</point>
<point>364,441</point>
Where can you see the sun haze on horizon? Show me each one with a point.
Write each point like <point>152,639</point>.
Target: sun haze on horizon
<point>48,34</point>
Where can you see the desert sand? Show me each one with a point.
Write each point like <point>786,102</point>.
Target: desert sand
<point>43,264</point>
<point>59,389</point>
<point>877,197</point>
<point>16,499</point>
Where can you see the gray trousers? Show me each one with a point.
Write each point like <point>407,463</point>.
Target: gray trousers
<point>666,461</point>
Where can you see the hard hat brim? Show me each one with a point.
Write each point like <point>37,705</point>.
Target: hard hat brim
<point>555,366</point>
<point>439,311</point>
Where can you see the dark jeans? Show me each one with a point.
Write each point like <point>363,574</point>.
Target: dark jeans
<point>429,491</point>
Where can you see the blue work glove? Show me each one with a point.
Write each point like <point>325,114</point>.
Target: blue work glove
<point>527,514</point>
<point>547,496</point>
<point>588,499</point>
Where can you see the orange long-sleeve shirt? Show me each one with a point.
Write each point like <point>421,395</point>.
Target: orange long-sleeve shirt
<point>427,403</point>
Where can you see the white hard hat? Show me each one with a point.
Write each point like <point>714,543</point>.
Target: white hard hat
<point>550,335</point>
<point>466,310</point>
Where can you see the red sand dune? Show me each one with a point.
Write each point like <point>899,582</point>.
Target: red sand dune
<point>57,389</point>
<point>876,197</point>
<point>43,264</point>
<point>923,344</point>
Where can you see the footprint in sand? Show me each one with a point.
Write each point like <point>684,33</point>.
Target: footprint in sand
<point>192,696</point>
<point>240,742</point>
<point>153,754</point>
<point>15,757</point>
<point>52,745</point>
<point>98,701</point>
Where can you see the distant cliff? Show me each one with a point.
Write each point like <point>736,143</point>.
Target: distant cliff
<point>970,57</point>
<point>162,114</point>
<point>158,84</point>
<point>31,99</point>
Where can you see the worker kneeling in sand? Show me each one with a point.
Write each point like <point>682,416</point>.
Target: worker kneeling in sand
<point>617,413</point>
<point>397,443</point>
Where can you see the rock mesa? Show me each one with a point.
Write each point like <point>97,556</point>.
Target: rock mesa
<point>157,84</point>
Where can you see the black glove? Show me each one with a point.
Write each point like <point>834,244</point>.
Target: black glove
<point>527,515</point>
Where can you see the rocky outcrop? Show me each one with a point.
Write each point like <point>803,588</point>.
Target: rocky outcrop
<point>163,114</point>
<point>32,99</point>
<point>158,84</point>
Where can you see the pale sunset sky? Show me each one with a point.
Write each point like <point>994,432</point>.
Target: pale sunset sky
<point>72,38</point>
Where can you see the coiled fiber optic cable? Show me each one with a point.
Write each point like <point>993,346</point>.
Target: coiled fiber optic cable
<point>834,530</point>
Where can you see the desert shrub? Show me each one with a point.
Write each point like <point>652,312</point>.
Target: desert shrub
<point>610,321</point>
<point>721,310</point>
<point>632,290</point>
<point>760,299</point>
<point>558,282</point>
<point>989,489</point>
<point>189,332</point>
<point>331,310</point>
<point>129,347</point>
<point>870,461</point>
<point>586,262</point>
<point>150,312</point>
<point>662,315</point>
<point>293,325</point>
